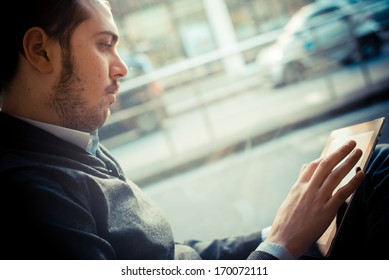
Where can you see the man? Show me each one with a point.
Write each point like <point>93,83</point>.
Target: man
<point>65,197</point>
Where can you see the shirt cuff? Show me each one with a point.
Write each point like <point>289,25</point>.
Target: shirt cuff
<point>276,250</point>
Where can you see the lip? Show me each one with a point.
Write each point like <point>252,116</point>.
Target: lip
<point>112,91</point>
<point>111,97</point>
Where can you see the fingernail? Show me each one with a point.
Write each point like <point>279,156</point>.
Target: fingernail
<point>358,169</point>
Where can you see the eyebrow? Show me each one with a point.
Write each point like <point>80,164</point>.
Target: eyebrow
<point>114,36</point>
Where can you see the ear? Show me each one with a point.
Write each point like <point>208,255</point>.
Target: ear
<point>36,48</point>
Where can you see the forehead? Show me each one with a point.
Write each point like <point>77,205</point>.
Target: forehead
<point>100,18</point>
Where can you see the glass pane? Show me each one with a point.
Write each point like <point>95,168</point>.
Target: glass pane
<point>226,99</point>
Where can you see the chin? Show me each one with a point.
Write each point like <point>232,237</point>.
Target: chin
<point>105,116</point>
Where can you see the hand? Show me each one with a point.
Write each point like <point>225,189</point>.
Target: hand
<point>311,204</point>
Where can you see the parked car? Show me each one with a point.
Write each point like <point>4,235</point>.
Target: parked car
<point>138,110</point>
<point>376,9</point>
<point>317,36</point>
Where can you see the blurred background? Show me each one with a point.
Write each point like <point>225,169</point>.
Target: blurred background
<point>226,99</point>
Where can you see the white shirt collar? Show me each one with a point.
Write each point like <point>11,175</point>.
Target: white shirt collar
<point>84,140</point>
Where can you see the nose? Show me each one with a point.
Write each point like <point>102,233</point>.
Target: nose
<point>119,68</point>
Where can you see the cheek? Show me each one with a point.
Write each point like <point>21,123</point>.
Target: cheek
<point>94,70</point>
<point>99,68</point>
<point>95,73</point>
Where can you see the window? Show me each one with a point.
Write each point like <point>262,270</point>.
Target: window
<point>214,117</point>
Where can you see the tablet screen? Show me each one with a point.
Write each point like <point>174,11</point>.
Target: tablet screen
<point>366,136</point>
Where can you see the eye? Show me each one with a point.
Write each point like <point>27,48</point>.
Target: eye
<point>107,45</point>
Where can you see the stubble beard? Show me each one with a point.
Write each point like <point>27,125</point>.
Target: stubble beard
<point>68,101</point>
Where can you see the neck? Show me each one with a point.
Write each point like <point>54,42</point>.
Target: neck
<point>21,106</point>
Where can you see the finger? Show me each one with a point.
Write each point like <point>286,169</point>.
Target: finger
<point>307,170</point>
<point>328,163</point>
<point>340,172</point>
<point>302,168</point>
<point>344,192</point>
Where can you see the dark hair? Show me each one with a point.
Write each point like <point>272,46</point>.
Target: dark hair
<point>59,18</point>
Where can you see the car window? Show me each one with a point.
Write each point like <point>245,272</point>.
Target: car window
<point>324,15</point>
<point>211,88</point>
<point>325,11</point>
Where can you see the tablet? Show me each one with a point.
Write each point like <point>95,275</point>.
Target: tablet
<point>366,136</point>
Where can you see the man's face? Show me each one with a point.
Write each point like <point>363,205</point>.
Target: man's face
<point>89,80</point>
